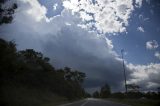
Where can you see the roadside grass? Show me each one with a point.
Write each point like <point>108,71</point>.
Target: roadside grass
<point>56,102</point>
<point>137,102</point>
<point>23,96</point>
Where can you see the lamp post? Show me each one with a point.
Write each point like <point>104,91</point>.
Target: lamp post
<point>124,71</point>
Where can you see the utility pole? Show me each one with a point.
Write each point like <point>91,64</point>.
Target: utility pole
<point>124,71</point>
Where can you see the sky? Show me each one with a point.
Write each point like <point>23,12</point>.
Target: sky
<point>88,35</point>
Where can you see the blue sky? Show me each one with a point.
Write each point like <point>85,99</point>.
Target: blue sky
<point>134,41</point>
<point>88,36</point>
<point>49,4</point>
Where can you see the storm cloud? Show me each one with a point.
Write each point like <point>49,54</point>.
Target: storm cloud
<point>61,39</point>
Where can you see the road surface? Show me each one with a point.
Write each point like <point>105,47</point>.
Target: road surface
<point>93,102</point>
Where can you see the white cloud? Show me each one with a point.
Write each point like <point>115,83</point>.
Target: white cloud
<point>143,18</point>
<point>146,19</point>
<point>146,76</point>
<point>109,43</point>
<point>55,6</point>
<point>153,44</point>
<point>139,3</point>
<point>141,29</point>
<point>34,9</point>
<point>85,16</point>
<point>67,23</point>
<point>110,16</point>
<point>157,54</point>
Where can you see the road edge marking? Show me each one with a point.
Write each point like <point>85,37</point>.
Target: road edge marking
<point>84,103</point>
<point>71,103</point>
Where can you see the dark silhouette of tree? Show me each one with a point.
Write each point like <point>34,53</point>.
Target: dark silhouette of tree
<point>6,12</point>
<point>74,80</point>
<point>118,95</point>
<point>105,91</point>
<point>158,89</point>
<point>30,69</point>
<point>87,95</point>
<point>158,92</point>
<point>7,57</point>
<point>96,94</point>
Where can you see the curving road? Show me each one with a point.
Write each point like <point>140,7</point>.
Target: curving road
<point>94,102</point>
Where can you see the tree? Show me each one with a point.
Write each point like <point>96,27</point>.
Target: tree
<point>74,80</point>
<point>118,95</point>
<point>30,69</point>
<point>105,91</point>
<point>87,95</point>
<point>7,56</point>
<point>6,12</point>
<point>96,94</point>
<point>76,76</point>
<point>158,89</point>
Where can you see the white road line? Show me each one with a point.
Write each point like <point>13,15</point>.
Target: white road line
<point>84,103</point>
<point>73,103</point>
<point>114,102</point>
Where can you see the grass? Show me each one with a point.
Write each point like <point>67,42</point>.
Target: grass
<point>22,96</point>
<point>137,102</point>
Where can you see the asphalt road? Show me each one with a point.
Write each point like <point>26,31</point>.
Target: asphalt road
<point>94,102</point>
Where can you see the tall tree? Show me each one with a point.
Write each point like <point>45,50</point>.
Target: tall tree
<point>105,91</point>
<point>96,94</point>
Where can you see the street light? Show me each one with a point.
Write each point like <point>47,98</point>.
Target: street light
<point>124,71</point>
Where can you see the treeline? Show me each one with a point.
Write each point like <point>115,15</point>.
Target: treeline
<point>133,93</point>
<point>137,95</point>
<point>31,69</point>
<point>105,92</point>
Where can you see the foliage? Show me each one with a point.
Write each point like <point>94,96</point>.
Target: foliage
<point>133,93</point>
<point>6,12</point>
<point>30,69</point>
<point>105,91</point>
<point>96,94</point>
<point>118,95</point>
<point>137,102</point>
<point>136,95</point>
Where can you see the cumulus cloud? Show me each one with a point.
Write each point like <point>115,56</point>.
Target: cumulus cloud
<point>35,9</point>
<point>108,16</point>
<point>157,55</point>
<point>142,18</point>
<point>153,44</point>
<point>146,76</point>
<point>55,6</point>
<point>141,29</point>
<point>138,3</point>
